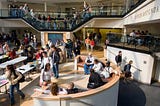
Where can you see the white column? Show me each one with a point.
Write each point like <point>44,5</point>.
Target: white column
<point>84,33</point>
<point>0,5</point>
<point>45,6</point>
<point>127,3</point>
<point>42,39</point>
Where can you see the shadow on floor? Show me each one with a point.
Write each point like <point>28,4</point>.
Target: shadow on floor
<point>5,101</point>
<point>130,94</point>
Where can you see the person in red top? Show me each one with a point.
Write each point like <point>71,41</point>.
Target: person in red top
<point>49,21</point>
<point>12,54</point>
<point>25,40</point>
<point>92,44</point>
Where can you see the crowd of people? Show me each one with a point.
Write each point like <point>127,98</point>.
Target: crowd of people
<point>139,37</point>
<point>92,40</point>
<point>19,10</point>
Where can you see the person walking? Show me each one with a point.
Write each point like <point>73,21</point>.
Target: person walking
<point>127,71</point>
<point>13,76</point>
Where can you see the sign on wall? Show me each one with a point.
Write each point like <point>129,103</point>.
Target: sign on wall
<point>55,36</point>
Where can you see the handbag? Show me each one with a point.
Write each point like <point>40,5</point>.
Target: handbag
<point>91,85</point>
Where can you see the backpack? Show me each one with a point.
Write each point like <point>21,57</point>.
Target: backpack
<point>125,68</point>
<point>20,80</point>
<point>116,58</point>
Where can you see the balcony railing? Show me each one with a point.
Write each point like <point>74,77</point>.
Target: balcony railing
<point>143,43</point>
<point>64,21</point>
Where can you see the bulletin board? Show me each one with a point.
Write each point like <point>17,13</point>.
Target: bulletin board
<point>55,36</point>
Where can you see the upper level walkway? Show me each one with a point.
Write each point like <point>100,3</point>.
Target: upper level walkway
<point>63,21</point>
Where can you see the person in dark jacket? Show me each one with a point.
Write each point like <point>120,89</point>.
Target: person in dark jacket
<point>118,58</point>
<point>94,80</point>
<point>71,89</point>
<point>55,59</point>
<point>76,49</point>
<point>127,69</point>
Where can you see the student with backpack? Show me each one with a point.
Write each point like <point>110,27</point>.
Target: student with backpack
<point>118,58</point>
<point>14,78</point>
<point>127,72</point>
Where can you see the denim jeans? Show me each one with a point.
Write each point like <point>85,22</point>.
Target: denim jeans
<point>87,68</point>
<point>11,92</point>
<point>69,53</point>
<point>55,70</point>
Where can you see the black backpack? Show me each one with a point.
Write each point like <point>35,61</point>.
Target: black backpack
<point>125,68</point>
<point>20,80</point>
<point>116,58</point>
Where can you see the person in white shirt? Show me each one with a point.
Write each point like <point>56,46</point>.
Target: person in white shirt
<point>46,74</point>
<point>6,47</point>
<point>107,70</point>
<point>132,37</point>
<point>89,62</point>
<point>98,67</point>
<point>45,60</point>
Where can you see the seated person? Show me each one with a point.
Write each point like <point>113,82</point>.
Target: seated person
<point>30,57</point>
<point>1,49</point>
<point>71,89</point>
<point>108,68</point>
<point>107,73</point>
<point>46,74</point>
<point>94,80</point>
<point>38,55</point>
<point>98,67</point>
<point>89,62</point>
<point>53,89</point>
<point>6,47</point>
<point>12,54</point>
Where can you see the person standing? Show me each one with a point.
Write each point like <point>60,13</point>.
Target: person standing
<point>13,76</point>
<point>34,41</point>
<point>92,44</point>
<point>127,70</point>
<point>87,42</point>
<point>118,58</point>
<point>76,49</point>
<point>55,61</point>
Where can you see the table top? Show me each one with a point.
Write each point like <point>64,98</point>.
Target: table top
<point>19,52</point>
<point>3,56</point>
<point>3,82</point>
<point>13,61</point>
<point>25,68</point>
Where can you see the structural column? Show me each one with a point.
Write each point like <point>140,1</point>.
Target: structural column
<point>45,6</point>
<point>127,5</point>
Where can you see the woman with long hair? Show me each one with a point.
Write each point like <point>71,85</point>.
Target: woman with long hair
<point>13,76</point>
<point>46,75</point>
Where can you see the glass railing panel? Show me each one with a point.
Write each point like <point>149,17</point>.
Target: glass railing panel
<point>58,22</point>
<point>145,43</point>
